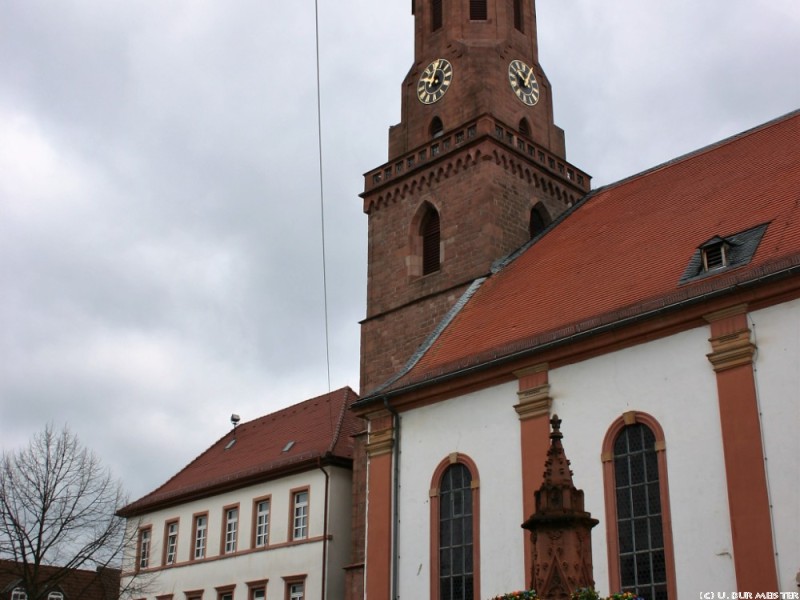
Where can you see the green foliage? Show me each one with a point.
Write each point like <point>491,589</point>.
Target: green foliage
<point>519,595</point>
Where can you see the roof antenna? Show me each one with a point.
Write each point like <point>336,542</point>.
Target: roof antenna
<point>234,421</point>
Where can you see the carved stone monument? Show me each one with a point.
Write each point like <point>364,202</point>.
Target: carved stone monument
<point>561,530</point>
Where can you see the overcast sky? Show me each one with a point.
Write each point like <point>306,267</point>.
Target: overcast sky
<point>160,230</point>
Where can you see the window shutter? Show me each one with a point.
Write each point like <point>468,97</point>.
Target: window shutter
<point>430,243</point>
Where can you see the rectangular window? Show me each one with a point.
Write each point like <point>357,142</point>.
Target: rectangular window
<point>170,542</point>
<point>262,523</point>
<point>144,548</point>
<point>200,536</point>
<point>296,591</point>
<point>436,16</point>
<point>300,515</point>
<point>258,593</point>
<point>231,530</point>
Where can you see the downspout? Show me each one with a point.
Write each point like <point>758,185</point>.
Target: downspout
<point>325,530</point>
<point>396,495</point>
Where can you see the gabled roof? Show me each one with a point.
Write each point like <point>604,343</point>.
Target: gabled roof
<point>623,251</point>
<point>288,441</point>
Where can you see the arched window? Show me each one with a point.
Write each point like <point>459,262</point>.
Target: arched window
<point>637,508</point>
<point>519,22</point>
<point>429,232</point>
<point>436,14</point>
<point>478,10</point>
<point>540,219</point>
<point>524,127</point>
<point>55,596</point>
<point>454,535</point>
<point>437,128</point>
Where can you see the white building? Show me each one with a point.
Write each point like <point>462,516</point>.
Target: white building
<point>263,513</point>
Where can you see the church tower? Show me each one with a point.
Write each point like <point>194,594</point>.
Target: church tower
<point>476,168</point>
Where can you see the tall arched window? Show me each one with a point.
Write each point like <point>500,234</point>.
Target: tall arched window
<point>436,14</point>
<point>454,530</point>
<point>524,127</point>
<point>19,594</point>
<point>437,127</point>
<point>637,508</point>
<point>540,219</point>
<point>429,231</point>
<point>478,10</point>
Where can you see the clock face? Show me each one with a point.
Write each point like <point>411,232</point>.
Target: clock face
<point>434,81</point>
<point>523,82</point>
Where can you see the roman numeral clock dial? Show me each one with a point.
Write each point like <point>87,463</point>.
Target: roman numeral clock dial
<point>434,81</point>
<point>523,82</point>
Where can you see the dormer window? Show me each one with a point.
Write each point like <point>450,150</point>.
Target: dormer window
<point>720,253</point>
<point>715,254</point>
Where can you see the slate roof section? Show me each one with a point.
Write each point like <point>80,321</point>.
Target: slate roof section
<point>624,249</point>
<point>321,428</point>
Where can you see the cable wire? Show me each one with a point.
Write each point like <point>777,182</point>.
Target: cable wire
<point>322,198</point>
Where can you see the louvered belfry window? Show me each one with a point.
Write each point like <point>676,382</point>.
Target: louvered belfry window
<point>478,10</point>
<point>430,242</point>
<point>436,8</point>
<point>455,535</point>
<point>639,523</point>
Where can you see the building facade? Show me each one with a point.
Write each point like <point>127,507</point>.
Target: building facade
<point>659,317</point>
<point>263,513</point>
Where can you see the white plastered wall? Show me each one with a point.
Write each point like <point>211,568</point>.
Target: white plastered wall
<point>776,331</point>
<point>485,427</point>
<point>670,379</point>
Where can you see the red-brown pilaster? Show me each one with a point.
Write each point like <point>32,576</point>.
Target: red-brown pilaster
<point>534,422</point>
<point>748,499</point>
<point>379,507</point>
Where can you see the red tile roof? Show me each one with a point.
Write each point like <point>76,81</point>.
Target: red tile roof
<point>75,584</point>
<point>320,428</point>
<point>623,249</point>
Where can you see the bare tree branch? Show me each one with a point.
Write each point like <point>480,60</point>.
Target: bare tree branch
<point>58,508</point>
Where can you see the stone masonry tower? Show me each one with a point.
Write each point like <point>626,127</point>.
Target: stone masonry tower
<point>476,168</point>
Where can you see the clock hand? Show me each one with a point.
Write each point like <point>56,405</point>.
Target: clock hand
<point>528,78</point>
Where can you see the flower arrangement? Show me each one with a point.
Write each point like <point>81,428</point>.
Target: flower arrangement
<point>591,594</point>
<point>580,594</point>
<point>519,595</point>
<point>585,594</point>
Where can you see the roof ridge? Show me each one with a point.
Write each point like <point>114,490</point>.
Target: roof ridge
<point>429,341</point>
<point>698,151</point>
<point>342,412</point>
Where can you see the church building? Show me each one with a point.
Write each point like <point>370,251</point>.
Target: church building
<point>658,317</point>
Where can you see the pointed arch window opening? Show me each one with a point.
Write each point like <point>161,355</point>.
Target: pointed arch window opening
<point>539,220</point>
<point>431,239</point>
<point>437,128</point>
